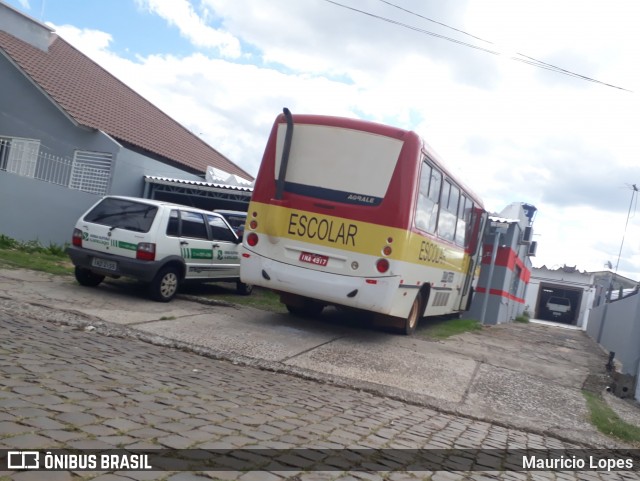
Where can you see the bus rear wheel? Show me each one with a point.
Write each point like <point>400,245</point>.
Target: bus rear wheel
<point>307,309</point>
<point>415,314</point>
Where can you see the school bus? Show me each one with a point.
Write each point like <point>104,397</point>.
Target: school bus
<point>353,213</point>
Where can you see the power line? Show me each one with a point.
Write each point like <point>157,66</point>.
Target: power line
<point>432,20</point>
<point>525,59</point>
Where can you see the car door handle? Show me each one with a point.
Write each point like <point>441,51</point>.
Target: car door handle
<point>184,243</point>
<point>215,245</point>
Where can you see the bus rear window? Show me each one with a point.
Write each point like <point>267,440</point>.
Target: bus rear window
<point>338,164</point>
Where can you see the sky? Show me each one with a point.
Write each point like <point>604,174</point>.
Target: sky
<point>512,131</point>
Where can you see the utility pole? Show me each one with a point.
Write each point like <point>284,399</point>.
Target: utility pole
<point>634,190</point>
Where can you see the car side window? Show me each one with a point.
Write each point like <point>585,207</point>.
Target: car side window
<point>220,230</point>
<point>193,225</point>
<point>173,226</point>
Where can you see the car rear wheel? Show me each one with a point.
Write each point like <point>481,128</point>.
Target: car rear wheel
<point>165,285</point>
<point>87,278</point>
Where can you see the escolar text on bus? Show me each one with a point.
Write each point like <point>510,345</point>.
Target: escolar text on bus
<point>430,252</point>
<point>322,229</point>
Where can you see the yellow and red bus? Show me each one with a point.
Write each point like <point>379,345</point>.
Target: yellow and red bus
<point>357,214</point>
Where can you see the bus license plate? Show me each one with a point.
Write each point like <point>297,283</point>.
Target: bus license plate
<point>316,259</point>
<point>104,264</point>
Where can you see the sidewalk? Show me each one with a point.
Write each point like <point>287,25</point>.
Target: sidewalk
<point>524,376</point>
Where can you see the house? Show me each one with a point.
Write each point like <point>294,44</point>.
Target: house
<point>582,291</point>
<point>506,265</point>
<point>71,132</point>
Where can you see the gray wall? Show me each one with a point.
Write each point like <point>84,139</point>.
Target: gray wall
<point>26,112</point>
<point>35,210</point>
<point>26,29</point>
<point>130,168</point>
<point>621,332</point>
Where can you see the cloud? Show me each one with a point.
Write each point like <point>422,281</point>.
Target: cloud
<point>180,14</point>
<point>93,43</point>
<point>510,131</point>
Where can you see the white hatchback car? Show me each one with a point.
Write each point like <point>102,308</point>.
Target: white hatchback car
<point>160,243</point>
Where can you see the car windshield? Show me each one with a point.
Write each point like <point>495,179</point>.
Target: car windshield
<point>563,301</point>
<point>123,214</point>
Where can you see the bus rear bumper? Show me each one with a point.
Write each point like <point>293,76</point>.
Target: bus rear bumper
<point>370,293</point>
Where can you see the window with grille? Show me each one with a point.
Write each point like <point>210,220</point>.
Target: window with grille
<point>19,156</point>
<point>91,172</point>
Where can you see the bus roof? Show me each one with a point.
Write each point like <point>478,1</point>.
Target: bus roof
<point>385,130</point>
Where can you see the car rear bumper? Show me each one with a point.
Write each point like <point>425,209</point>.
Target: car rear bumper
<point>137,269</point>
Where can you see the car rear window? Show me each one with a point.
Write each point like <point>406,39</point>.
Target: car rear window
<point>123,214</point>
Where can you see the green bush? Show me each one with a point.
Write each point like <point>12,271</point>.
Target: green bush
<point>8,242</point>
<point>32,246</point>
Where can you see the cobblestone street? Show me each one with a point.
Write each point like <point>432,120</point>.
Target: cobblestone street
<point>62,387</point>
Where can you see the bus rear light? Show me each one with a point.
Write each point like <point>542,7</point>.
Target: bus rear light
<point>254,214</point>
<point>245,255</point>
<point>382,265</point>
<point>253,224</point>
<point>76,239</point>
<point>387,250</point>
<point>146,251</point>
<point>371,281</point>
<point>389,240</point>
<point>252,239</point>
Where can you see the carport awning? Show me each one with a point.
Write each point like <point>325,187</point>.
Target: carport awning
<point>195,188</point>
<point>202,185</point>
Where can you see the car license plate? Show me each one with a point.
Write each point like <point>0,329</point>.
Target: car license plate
<point>316,259</point>
<point>104,264</point>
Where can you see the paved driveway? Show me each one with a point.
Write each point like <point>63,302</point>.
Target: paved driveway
<point>526,376</point>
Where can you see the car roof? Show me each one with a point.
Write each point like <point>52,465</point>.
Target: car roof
<point>159,203</point>
<point>230,212</point>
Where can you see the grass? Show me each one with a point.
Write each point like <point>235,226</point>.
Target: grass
<point>262,299</point>
<point>441,328</point>
<point>608,422</point>
<point>32,255</point>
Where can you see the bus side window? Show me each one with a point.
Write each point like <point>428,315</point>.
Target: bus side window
<point>448,211</point>
<point>464,211</point>
<point>427,208</point>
